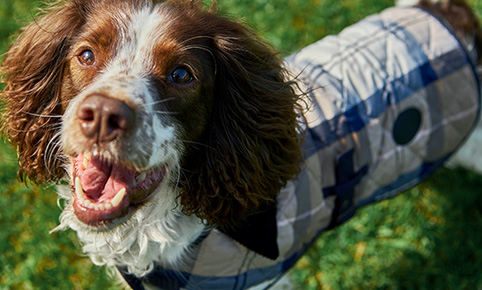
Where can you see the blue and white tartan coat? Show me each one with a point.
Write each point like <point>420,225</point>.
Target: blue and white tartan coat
<point>391,98</point>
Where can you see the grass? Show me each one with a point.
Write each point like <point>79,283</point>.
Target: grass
<point>427,238</point>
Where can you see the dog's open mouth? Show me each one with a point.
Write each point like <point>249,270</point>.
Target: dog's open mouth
<point>105,191</point>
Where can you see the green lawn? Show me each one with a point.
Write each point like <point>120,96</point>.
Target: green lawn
<point>430,237</point>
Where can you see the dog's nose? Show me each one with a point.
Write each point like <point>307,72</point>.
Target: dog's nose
<point>102,118</point>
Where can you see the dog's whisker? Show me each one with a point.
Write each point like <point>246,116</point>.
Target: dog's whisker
<point>196,143</point>
<point>51,152</point>
<point>45,127</point>
<point>165,113</point>
<point>42,115</point>
<point>206,49</point>
<point>183,43</point>
<point>150,104</point>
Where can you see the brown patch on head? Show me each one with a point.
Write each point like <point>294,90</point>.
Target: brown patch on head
<point>148,44</point>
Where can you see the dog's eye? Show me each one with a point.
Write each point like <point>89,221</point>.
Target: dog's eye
<point>87,57</point>
<point>181,75</point>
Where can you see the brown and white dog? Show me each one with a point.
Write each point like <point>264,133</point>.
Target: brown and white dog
<point>165,118</point>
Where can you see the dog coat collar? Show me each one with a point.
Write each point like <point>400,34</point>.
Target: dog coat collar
<point>391,98</point>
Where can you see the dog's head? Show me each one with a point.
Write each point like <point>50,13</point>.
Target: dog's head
<point>130,100</point>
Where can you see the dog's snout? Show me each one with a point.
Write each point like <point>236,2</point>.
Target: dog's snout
<point>103,119</point>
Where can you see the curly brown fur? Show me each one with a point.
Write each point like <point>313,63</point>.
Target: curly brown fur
<point>33,70</point>
<point>252,146</point>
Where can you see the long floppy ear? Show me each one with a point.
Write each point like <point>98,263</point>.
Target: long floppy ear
<point>252,143</point>
<point>32,72</point>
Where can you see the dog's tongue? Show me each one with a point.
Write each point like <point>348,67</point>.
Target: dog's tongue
<point>102,180</point>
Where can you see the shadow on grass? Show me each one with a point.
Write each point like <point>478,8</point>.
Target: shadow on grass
<point>429,237</point>
<point>453,208</point>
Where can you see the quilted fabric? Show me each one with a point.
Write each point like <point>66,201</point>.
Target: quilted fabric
<point>391,97</point>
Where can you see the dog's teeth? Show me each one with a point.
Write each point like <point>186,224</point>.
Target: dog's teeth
<point>78,188</point>
<point>118,197</point>
<point>99,206</point>
<point>79,192</point>
<point>141,177</point>
<point>88,204</point>
<point>87,157</point>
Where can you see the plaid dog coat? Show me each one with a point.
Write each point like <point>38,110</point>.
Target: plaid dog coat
<point>391,98</point>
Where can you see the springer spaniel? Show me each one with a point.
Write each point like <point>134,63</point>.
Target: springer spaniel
<point>178,131</point>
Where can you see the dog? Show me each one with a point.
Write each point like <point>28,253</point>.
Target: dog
<point>197,158</point>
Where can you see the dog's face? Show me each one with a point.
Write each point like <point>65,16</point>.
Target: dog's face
<point>139,90</point>
<point>162,117</point>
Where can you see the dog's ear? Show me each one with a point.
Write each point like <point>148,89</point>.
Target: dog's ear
<point>252,143</point>
<point>32,72</point>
